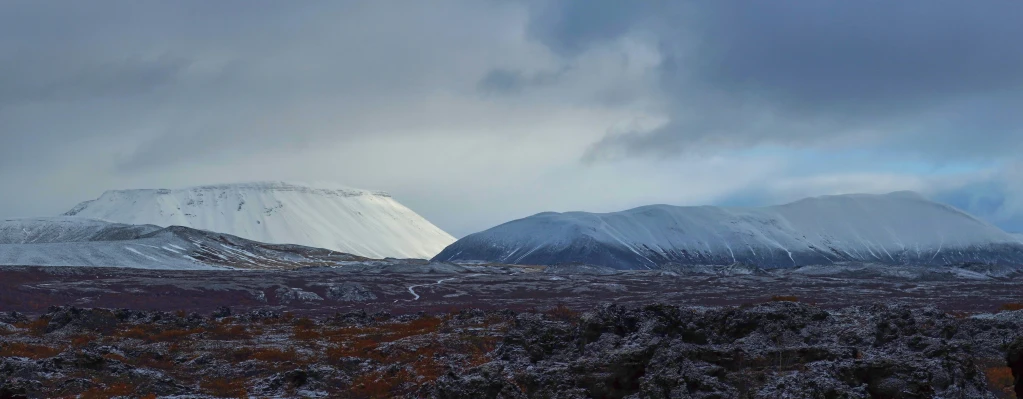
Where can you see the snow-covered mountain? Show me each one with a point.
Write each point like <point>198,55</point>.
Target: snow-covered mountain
<point>896,228</point>
<point>360,222</point>
<point>88,242</point>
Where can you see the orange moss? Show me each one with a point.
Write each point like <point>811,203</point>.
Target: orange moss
<point>562,313</point>
<point>270,355</point>
<point>18,349</point>
<point>1009,307</point>
<point>151,334</point>
<point>229,333</point>
<point>999,379</point>
<point>36,327</point>
<point>307,334</point>
<point>223,388</point>
<point>305,322</point>
<point>174,335</point>
<point>80,340</point>
<point>477,348</point>
<point>150,361</point>
<point>784,298</point>
<point>378,385</point>
<point>108,391</point>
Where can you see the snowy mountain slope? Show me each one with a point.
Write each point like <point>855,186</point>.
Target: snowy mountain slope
<point>1019,236</point>
<point>85,242</point>
<point>360,222</point>
<point>897,228</point>
<point>67,229</point>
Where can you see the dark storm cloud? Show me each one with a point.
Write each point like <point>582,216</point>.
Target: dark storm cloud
<point>930,76</point>
<point>571,26</point>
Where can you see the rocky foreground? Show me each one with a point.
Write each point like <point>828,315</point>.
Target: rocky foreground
<point>778,349</point>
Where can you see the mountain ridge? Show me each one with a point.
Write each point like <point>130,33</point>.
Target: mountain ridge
<point>896,228</point>
<point>87,242</point>
<point>67,229</point>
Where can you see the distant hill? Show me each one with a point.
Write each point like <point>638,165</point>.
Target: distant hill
<point>88,242</point>
<point>896,228</point>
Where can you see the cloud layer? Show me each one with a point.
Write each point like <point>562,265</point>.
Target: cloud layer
<point>475,112</point>
<point>922,76</point>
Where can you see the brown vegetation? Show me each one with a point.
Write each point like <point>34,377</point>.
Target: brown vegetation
<point>226,332</point>
<point>415,352</point>
<point>224,388</point>
<point>562,313</point>
<point>108,391</point>
<point>79,341</point>
<point>37,327</point>
<point>379,385</point>
<point>784,298</point>
<point>1009,307</point>
<point>18,349</point>
<point>1000,381</point>
<point>273,355</point>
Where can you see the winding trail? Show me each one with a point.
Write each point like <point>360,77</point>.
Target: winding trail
<point>412,291</point>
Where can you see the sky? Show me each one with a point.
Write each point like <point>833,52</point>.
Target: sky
<point>476,112</point>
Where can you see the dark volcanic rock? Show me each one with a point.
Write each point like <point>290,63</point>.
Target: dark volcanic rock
<point>1014,358</point>
<point>12,317</point>
<point>72,319</point>
<point>350,292</point>
<point>773,350</point>
<point>221,312</point>
<point>767,350</point>
<point>17,388</point>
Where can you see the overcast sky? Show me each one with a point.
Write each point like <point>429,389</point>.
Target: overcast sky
<point>476,112</point>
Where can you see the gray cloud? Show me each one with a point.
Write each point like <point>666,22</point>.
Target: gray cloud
<point>740,74</point>
<point>507,81</point>
<point>116,78</point>
<point>197,81</point>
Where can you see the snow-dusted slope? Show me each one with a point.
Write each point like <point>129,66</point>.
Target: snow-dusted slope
<point>67,229</point>
<point>359,222</point>
<point>87,242</point>
<point>897,228</point>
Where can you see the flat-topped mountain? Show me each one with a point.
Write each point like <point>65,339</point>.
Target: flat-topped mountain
<point>360,222</point>
<point>896,228</point>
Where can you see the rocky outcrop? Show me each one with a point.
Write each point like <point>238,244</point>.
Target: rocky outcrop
<point>350,292</point>
<point>774,350</point>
